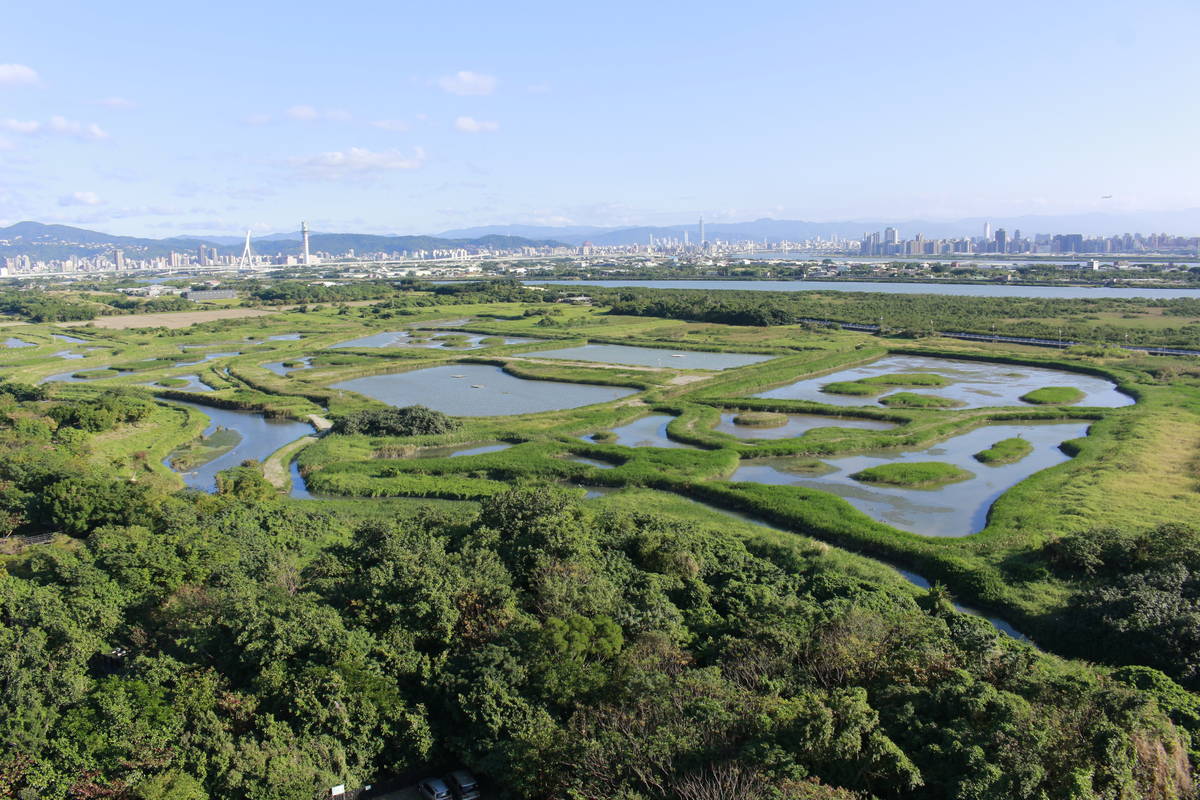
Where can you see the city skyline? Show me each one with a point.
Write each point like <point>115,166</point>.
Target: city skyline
<point>373,121</point>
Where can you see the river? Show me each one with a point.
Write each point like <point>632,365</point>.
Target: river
<point>959,289</point>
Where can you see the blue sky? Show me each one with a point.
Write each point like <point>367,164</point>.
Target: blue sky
<point>169,118</point>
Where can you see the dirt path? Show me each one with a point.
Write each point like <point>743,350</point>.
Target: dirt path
<point>276,468</point>
<point>319,422</point>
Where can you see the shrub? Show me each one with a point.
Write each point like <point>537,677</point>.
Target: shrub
<point>407,421</point>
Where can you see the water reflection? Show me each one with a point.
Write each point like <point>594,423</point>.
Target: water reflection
<point>652,357</point>
<point>475,390</point>
<point>958,509</point>
<point>260,438</point>
<point>796,425</point>
<point>976,384</point>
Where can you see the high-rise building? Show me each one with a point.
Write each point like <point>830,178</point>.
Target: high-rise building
<point>119,258</point>
<point>304,235</point>
<point>1001,240</point>
<point>987,231</point>
<point>700,241</point>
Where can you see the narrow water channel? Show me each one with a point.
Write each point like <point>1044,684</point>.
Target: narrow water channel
<point>259,438</point>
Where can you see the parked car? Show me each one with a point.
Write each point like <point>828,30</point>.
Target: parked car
<point>434,789</point>
<point>464,785</point>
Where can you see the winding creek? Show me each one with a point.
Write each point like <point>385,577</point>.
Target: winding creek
<point>259,438</point>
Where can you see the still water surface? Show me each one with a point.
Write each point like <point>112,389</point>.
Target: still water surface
<point>976,384</point>
<point>957,509</point>
<point>652,357</point>
<point>476,390</point>
<point>960,289</point>
<point>260,438</point>
<point>797,425</point>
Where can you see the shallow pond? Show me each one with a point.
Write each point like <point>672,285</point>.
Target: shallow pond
<point>976,384</point>
<point>652,357</point>
<point>68,355</point>
<point>194,384</point>
<point>285,337</point>
<point>468,341</point>
<point>69,377</point>
<point>62,337</point>
<point>649,431</point>
<point>207,357</point>
<point>957,509</point>
<point>279,369</point>
<point>260,438</point>
<point>591,462</point>
<point>797,425</point>
<point>476,390</point>
<point>12,342</point>
<point>454,451</point>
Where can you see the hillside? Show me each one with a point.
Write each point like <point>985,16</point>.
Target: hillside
<point>40,241</point>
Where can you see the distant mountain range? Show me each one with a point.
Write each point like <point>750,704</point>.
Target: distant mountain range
<point>47,242</point>
<point>51,242</point>
<point>1180,223</point>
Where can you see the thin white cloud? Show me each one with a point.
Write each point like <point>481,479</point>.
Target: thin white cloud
<point>117,103</point>
<point>465,82</point>
<point>6,144</point>
<point>82,130</point>
<point>56,126</point>
<point>21,126</point>
<point>257,119</point>
<point>472,125</point>
<point>306,113</point>
<point>80,199</point>
<point>18,75</point>
<point>393,125</point>
<point>357,162</point>
<point>303,113</point>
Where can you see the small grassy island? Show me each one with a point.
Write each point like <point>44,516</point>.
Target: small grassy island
<point>915,475</point>
<point>908,379</point>
<point>171,383</point>
<point>914,400</point>
<point>200,451</point>
<point>1005,451</point>
<point>1053,396</point>
<point>760,419</point>
<point>878,384</point>
<point>854,388</point>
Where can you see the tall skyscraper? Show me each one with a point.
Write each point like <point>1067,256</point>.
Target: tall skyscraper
<point>700,241</point>
<point>1001,240</point>
<point>304,235</point>
<point>987,231</point>
<point>891,236</point>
